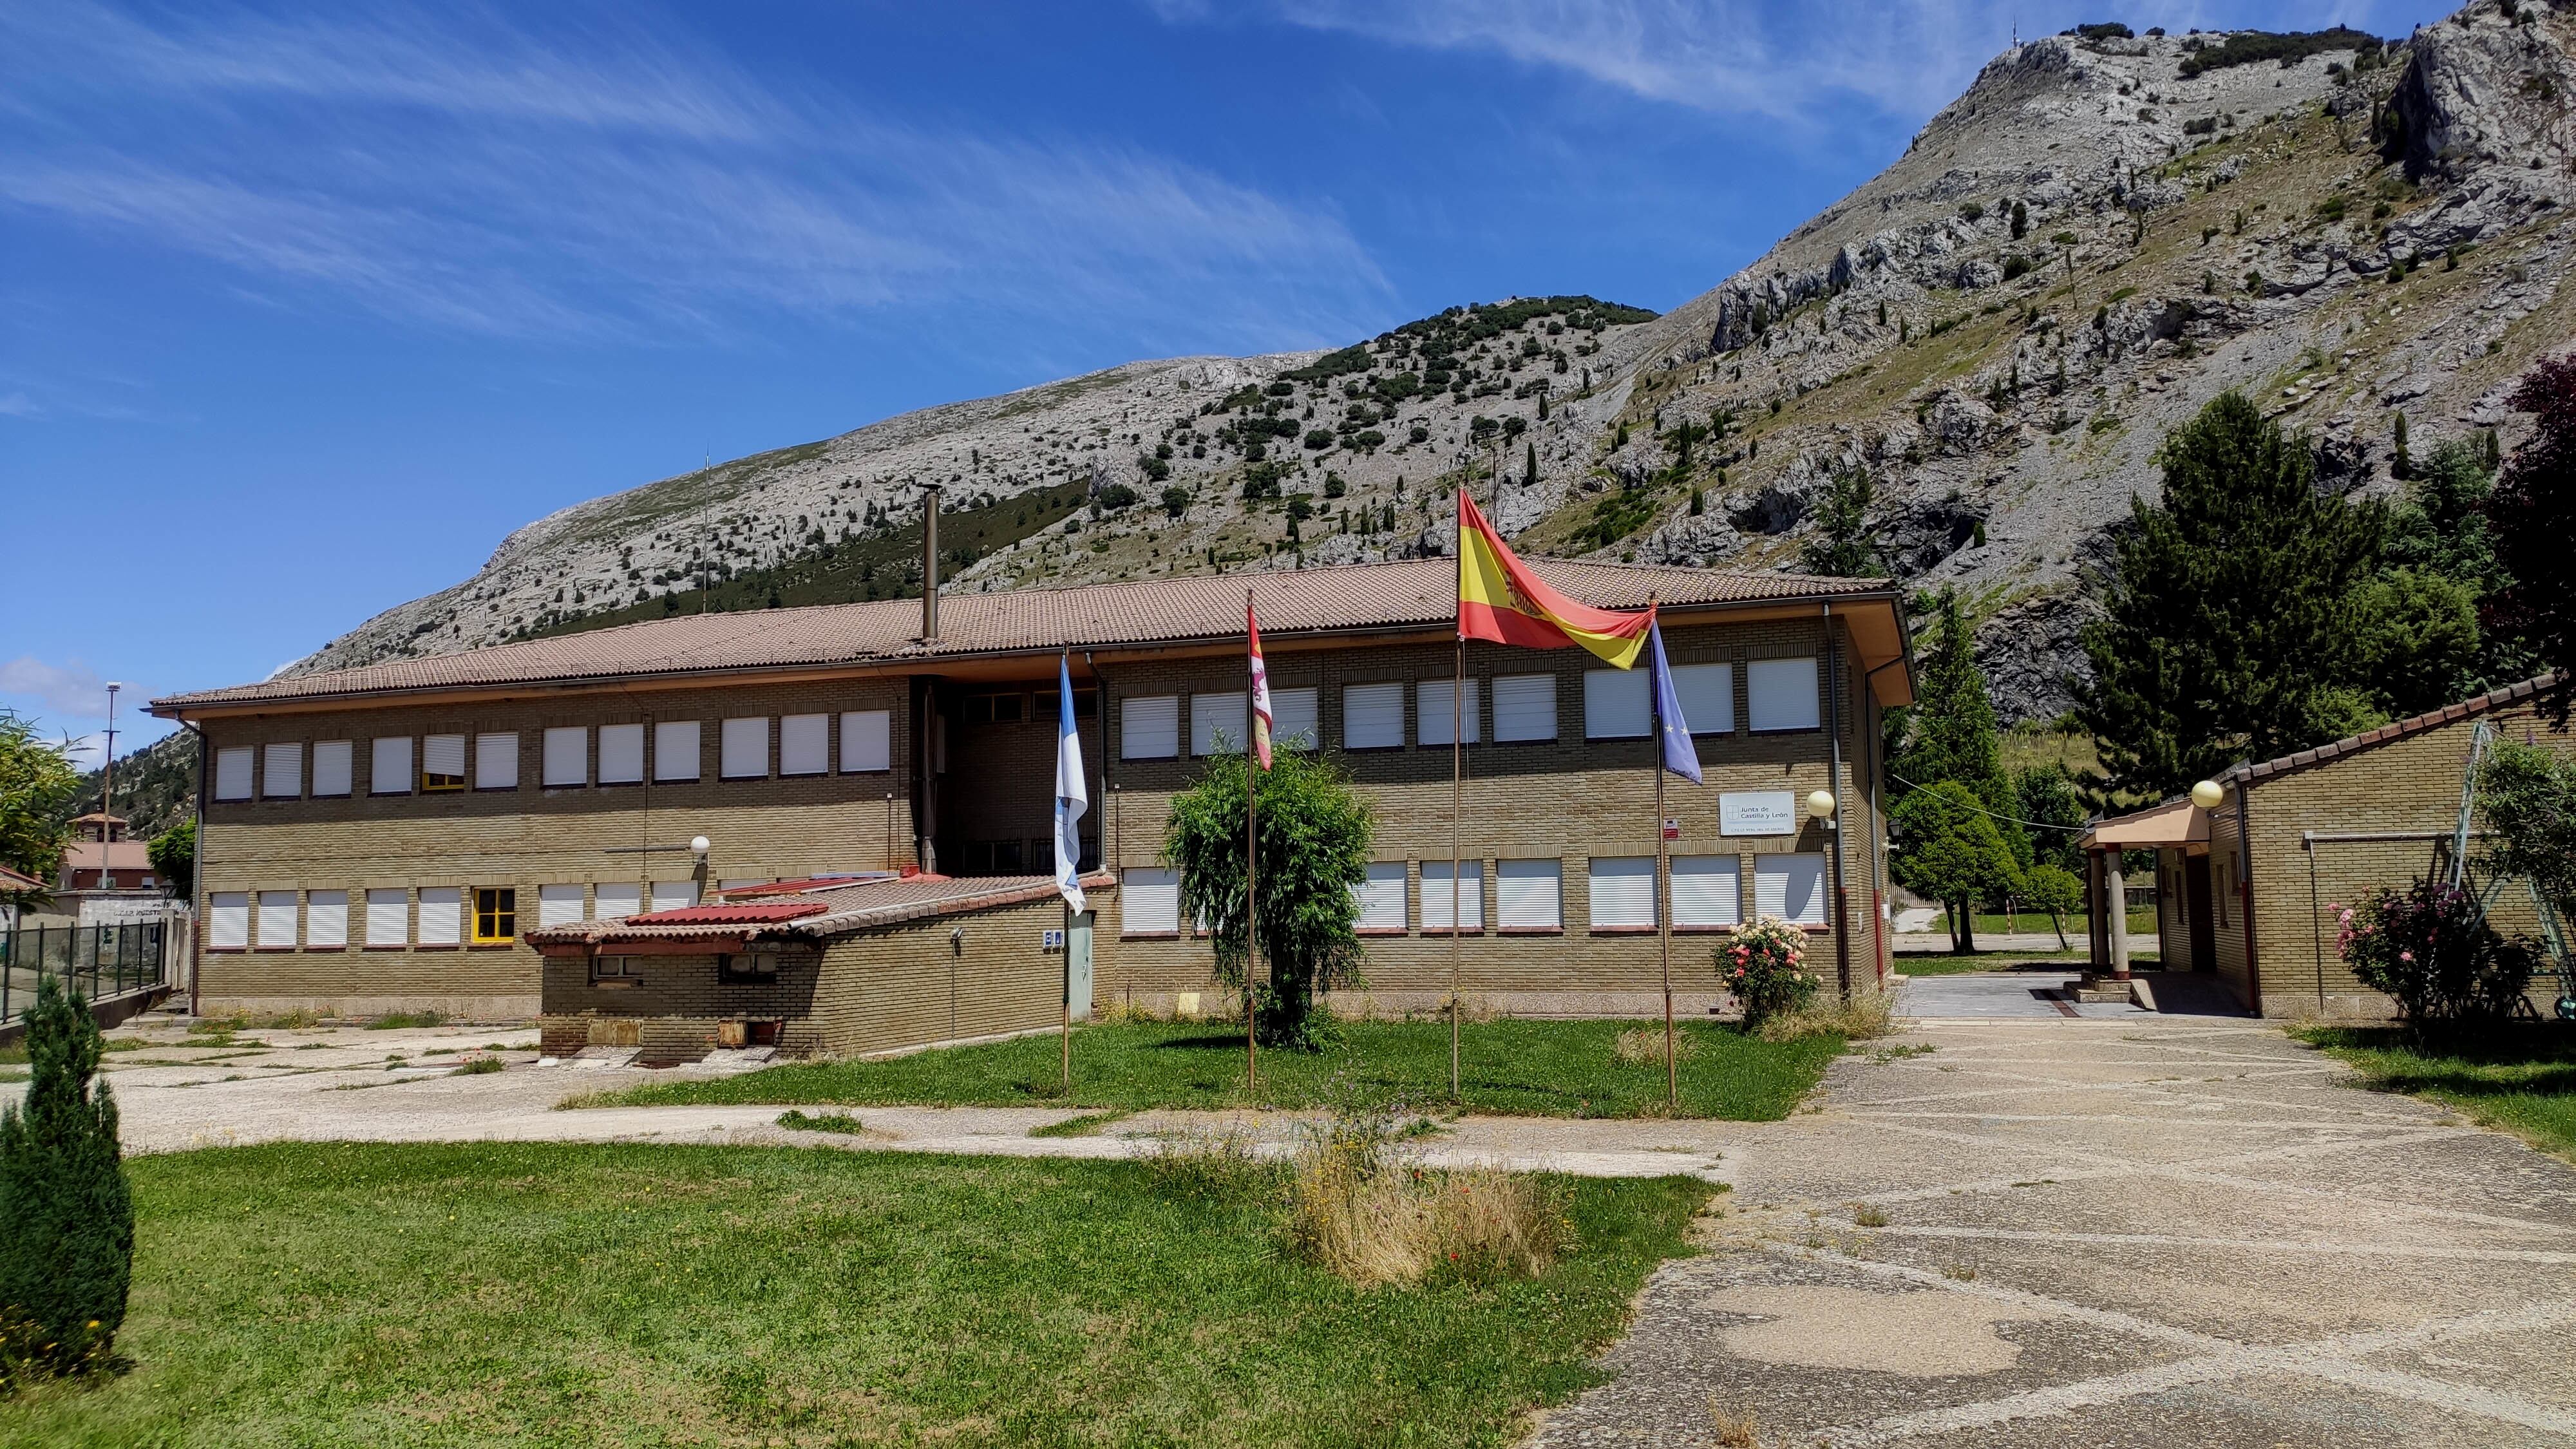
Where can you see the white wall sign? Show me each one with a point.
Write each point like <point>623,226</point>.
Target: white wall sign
<point>1757,812</point>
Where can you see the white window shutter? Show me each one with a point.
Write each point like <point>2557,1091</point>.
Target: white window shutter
<point>326,919</point>
<point>389,917</point>
<point>742,748</point>
<point>1524,707</point>
<point>332,761</point>
<point>1372,716</point>
<point>276,918</point>
<point>282,771</point>
<point>1529,894</point>
<point>618,899</point>
<point>1149,902</point>
<point>675,750</point>
<point>1708,890</point>
<point>228,920</point>
<point>674,895</point>
<point>1623,890</point>
<point>1381,897</point>
<point>1431,712</point>
<point>567,752</point>
<point>1292,719</point>
<point>496,761</point>
<point>1791,887</point>
<point>621,754</point>
<point>1707,695</point>
<point>1614,705</point>
<point>867,741</point>
<point>389,765</point>
<point>443,755</point>
<point>442,916</point>
<point>1781,694</point>
<point>232,773</point>
<point>805,744</point>
<point>1149,728</point>
<point>1435,895</point>
<point>1220,723</point>
<point>558,905</point>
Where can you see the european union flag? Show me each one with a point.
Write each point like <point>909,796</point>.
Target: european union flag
<point>1674,730</point>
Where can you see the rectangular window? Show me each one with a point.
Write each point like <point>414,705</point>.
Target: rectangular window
<point>1781,694</point>
<point>1529,895</point>
<point>675,751</point>
<point>276,919</point>
<point>389,765</point>
<point>1373,717</point>
<point>232,773</point>
<point>1435,895</point>
<point>1623,892</point>
<point>496,761</point>
<point>567,757</point>
<point>1381,897</point>
<point>1791,887</point>
<point>1614,705</point>
<point>228,921</point>
<point>674,895</point>
<point>742,748</point>
<point>1010,708</point>
<point>1708,890</point>
<point>867,741</point>
<point>558,905</point>
<point>442,763</point>
<point>496,915</point>
<point>805,744</point>
<point>442,916</point>
<point>1150,728</point>
<point>326,919</point>
<point>617,970</point>
<point>1292,719</point>
<point>1524,707</point>
<point>1431,718</point>
<point>282,772</point>
<point>618,899</point>
<point>1707,695</point>
<point>331,767</point>
<point>621,754</point>
<point>1219,723</point>
<point>389,917</point>
<point>1149,902</point>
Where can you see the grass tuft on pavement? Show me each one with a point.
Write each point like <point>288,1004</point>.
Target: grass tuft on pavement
<point>2519,1077</point>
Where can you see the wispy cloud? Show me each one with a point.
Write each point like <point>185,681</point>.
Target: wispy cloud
<point>73,689</point>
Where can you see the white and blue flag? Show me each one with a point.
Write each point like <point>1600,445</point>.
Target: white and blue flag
<point>1680,756</point>
<point>1071,799</point>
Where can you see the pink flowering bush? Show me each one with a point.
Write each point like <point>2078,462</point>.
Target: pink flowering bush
<point>1765,965</point>
<point>2430,947</point>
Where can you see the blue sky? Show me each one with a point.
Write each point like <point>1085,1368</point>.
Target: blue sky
<point>302,309</point>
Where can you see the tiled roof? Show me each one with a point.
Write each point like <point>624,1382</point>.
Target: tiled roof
<point>834,910</point>
<point>2431,719</point>
<point>765,913</point>
<point>1411,592</point>
<point>12,883</point>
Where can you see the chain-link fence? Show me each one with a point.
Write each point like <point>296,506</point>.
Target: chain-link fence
<point>100,962</point>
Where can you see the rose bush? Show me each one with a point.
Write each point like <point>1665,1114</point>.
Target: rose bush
<point>1765,965</point>
<point>2430,947</point>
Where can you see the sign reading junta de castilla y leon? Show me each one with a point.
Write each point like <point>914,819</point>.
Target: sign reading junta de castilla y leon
<point>1757,812</point>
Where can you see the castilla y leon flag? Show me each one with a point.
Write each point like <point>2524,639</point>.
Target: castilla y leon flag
<point>1499,598</point>
<point>1260,687</point>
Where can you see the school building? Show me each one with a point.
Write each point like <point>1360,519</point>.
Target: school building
<point>829,829</point>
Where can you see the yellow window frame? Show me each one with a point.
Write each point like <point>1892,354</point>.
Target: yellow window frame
<point>496,915</point>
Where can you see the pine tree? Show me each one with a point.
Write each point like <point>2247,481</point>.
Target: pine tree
<point>1845,545</point>
<point>1950,732</point>
<point>1529,469</point>
<point>66,1222</point>
<point>2226,631</point>
<point>2533,515</point>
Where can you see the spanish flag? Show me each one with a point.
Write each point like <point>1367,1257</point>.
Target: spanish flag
<point>1499,598</point>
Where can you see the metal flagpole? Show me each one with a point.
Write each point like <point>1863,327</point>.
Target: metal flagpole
<point>1663,906</point>
<point>1457,778</point>
<point>1251,861</point>
<point>1068,996</point>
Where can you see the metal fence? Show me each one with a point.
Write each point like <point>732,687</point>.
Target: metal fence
<point>97,961</point>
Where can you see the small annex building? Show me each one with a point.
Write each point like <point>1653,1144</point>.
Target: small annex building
<point>2247,891</point>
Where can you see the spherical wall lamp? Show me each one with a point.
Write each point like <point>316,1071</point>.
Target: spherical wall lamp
<point>1820,805</point>
<point>2207,794</point>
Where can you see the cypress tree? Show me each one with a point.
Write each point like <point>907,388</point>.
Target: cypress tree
<point>1529,469</point>
<point>66,1223</point>
<point>2400,466</point>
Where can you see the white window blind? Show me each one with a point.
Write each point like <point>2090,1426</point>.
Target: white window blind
<point>1219,723</point>
<point>277,918</point>
<point>228,921</point>
<point>742,748</point>
<point>232,773</point>
<point>1431,712</point>
<point>558,905</point>
<point>1149,728</point>
<point>1623,890</point>
<point>1529,894</point>
<point>675,750</point>
<point>326,918</point>
<point>1614,705</point>
<point>1707,694</point>
<point>389,917</point>
<point>618,899</point>
<point>1372,716</point>
<point>331,767</point>
<point>1381,896</point>
<point>673,895</point>
<point>805,744</point>
<point>1781,693</point>
<point>1292,719</point>
<point>867,741</point>
<point>282,771</point>
<point>621,754</point>
<point>1435,895</point>
<point>1525,707</point>
<point>1708,890</point>
<point>389,765</point>
<point>442,915</point>
<point>443,755</point>
<point>567,756</point>
<point>1149,902</point>
<point>1791,887</point>
<point>496,761</point>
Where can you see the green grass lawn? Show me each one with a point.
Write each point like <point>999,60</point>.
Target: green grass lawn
<point>2520,1078</point>
<point>549,1294</point>
<point>1537,1068</point>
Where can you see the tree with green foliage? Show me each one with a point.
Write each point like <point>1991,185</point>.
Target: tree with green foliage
<point>2533,517</point>
<point>1950,730</point>
<point>2045,796</point>
<point>66,1221</point>
<point>2228,622</point>
<point>2415,639</point>
<point>1846,545</point>
<point>1948,850</point>
<point>173,854</point>
<point>37,785</point>
<point>2527,796</point>
<point>1176,501</point>
<point>1529,466</point>
<point>2055,890</point>
<point>1315,833</point>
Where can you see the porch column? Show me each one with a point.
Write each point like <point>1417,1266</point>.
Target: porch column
<point>2097,949</point>
<point>2118,913</point>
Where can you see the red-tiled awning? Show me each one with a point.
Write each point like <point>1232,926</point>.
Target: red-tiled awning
<point>758,913</point>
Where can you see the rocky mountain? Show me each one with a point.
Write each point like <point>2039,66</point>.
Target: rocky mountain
<point>2103,233</point>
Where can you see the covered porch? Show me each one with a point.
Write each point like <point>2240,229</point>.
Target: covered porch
<point>2178,832</point>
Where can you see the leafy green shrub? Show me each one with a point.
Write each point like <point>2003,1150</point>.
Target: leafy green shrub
<point>1176,501</point>
<point>2015,267</point>
<point>2430,947</point>
<point>1765,965</point>
<point>1318,438</point>
<point>1971,210</point>
<point>66,1220</point>
<point>1119,495</point>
